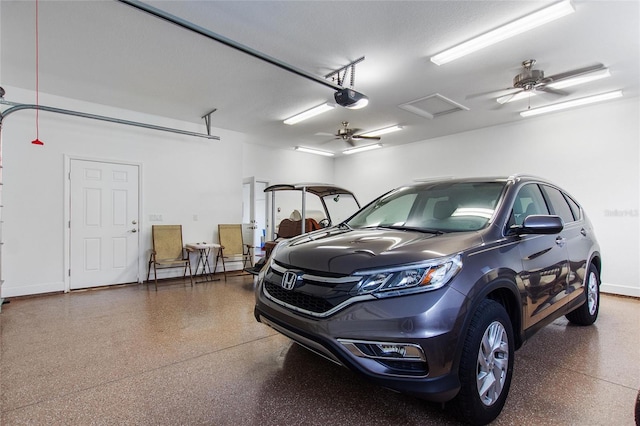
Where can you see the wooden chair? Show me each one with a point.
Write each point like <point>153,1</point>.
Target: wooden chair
<point>233,246</point>
<point>168,251</point>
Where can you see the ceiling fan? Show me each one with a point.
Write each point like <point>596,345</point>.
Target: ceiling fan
<point>533,81</point>
<point>350,135</point>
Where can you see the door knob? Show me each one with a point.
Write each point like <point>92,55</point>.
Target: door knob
<point>134,222</point>
<point>134,230</point>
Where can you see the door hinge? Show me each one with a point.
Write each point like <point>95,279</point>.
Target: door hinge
<point>69,271</point>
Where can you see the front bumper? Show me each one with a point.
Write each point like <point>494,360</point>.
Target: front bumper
<point>425,322</point>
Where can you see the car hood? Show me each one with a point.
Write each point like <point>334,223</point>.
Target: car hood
<point>342,251</point>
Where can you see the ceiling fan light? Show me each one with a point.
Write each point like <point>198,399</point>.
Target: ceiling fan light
<point>317,110</point>
<point>504,32</point>
<point>351,99</point>
<point>362,148</point>
<point>572,104</point>
<point>383,131</point>
<point>580,79</point>
<point>314,151</point>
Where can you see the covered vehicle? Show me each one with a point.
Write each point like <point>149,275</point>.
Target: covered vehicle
<point>430,288</point>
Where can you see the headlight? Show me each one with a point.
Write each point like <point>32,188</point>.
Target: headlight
<point>409,279</point>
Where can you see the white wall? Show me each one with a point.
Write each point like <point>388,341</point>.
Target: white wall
<point>592,152</point>
<point>288,167</point>
<point>182,177</point>
<point>285,165</point>
<point>186,180</point>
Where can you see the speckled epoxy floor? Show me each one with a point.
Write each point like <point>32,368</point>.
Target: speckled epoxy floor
<point>195,355</point>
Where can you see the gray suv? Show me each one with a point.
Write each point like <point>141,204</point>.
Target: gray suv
<point>429,289</point>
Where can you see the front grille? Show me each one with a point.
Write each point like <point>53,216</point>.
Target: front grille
<point>313,294</point>
<point>297,299</point>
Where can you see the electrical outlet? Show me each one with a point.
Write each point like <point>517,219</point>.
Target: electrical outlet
<point>155,218</point>
<point>195,217</point>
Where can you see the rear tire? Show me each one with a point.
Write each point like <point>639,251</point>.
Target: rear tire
<point>486,365</point>
<point>587,313</point>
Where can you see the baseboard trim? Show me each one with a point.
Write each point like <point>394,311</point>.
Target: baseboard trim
<point>622,290</point>
<point>28,290</point>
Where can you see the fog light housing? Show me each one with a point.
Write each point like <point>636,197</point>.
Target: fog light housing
<point>400,358</point>
<point>395,350</point>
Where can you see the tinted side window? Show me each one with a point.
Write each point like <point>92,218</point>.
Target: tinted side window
<point>575,208</point>
<point>559,204</point>
<point>528,201</point>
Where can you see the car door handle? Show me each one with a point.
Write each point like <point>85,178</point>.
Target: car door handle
<point>560,241</point>
<point>583,232</point>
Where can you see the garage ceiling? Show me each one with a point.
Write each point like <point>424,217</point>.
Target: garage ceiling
<point>110,53</point>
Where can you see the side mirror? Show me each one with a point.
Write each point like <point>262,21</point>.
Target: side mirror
<point>539,224</point>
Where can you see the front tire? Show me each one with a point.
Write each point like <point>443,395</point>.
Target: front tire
<point>486,365</point>
<point>587,313</point>
<point>637,415</point>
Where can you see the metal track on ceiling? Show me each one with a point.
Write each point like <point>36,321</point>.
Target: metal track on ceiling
<point>14,107</point>
<point>226,41</point>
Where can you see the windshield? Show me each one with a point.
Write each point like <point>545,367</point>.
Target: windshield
<point>340,207</point>
<point>439,207</point>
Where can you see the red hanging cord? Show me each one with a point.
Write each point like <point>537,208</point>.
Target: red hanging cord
<point>37,140</point>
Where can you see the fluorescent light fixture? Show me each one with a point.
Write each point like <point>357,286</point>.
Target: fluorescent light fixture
<point>309,113</point>
<point>383,131</point>
<point>314,151</point>
<point>573,103</point>
<point>518,96</point>
<point>580,79</point>
<point>362,148</point>
<point>511,29</point>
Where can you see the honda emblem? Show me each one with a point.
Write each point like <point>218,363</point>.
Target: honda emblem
<point>289,280</point>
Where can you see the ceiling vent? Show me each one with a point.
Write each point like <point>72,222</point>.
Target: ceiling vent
<point>433,106</point>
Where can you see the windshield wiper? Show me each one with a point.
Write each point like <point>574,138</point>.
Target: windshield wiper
<point>413,228</point>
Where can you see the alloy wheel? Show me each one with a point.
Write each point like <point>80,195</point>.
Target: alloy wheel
<point>493,361</point>
<point>592,293</point>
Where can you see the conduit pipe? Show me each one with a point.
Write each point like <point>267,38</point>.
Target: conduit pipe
<point>226,41</point>
<point>18,107</point>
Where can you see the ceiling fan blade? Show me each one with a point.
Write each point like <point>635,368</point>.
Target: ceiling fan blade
<point>323,134</point>
<point>504,99</point>
<point>493,93</point>
<point>551,91</point>
<point>358,137</point>
<point>574,73</point>
<point>328,140</point>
